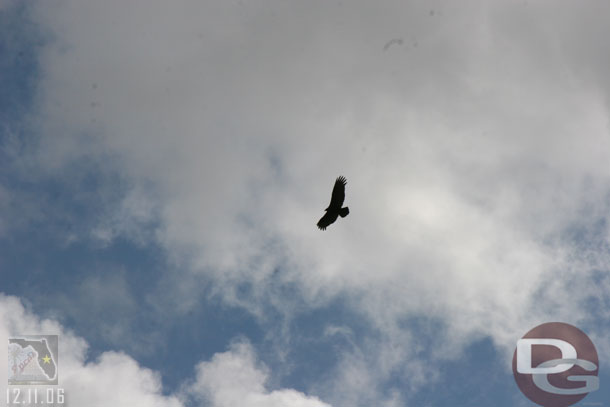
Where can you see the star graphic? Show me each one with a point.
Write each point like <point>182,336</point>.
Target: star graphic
<point>46,359</point>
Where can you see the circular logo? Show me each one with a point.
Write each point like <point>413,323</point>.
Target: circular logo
<point>556,365</point>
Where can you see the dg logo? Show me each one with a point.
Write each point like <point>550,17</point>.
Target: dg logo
<point>556,365</point>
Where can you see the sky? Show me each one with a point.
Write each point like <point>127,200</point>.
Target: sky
<point>163,166</point>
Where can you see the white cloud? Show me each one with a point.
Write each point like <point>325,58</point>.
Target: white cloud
<point>233,378</point>
<point>112,379</point>
<point>470,150</point>
<point>115,379</point>
<point>131,219</point>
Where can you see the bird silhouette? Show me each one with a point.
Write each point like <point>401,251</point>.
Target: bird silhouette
<point>335,207</point>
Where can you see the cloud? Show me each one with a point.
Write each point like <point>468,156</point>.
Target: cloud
<point>233,378</point>
<point>116,379</point>
<point>471,158</point>
<point>112,379</point>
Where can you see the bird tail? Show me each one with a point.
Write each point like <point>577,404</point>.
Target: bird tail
<point>343,212</point>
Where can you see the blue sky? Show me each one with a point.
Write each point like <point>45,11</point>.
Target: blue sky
<point>162,168</point>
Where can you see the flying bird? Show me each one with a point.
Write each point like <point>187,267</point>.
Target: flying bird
<point>334,208</point>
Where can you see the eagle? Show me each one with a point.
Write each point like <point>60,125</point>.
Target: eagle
<point>334,208</point>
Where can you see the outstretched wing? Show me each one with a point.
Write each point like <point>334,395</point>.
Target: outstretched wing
<point>326,220</point>
<point>338,196</point>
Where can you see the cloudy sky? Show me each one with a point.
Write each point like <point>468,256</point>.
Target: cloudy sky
<point>163,165</point>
